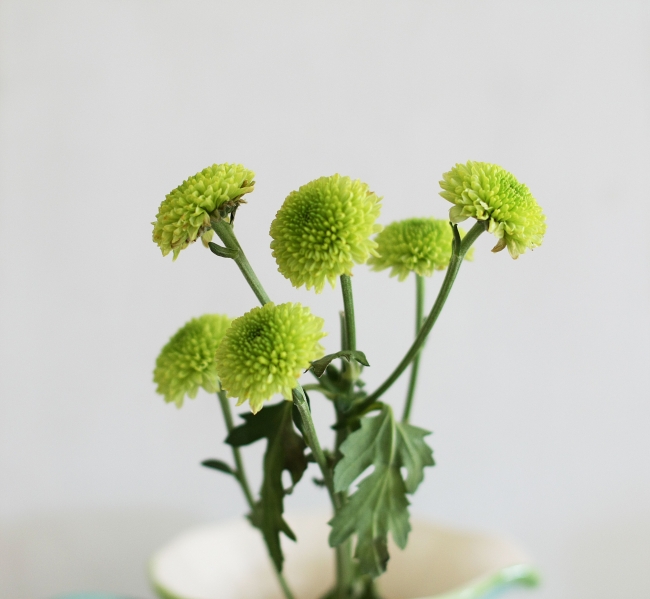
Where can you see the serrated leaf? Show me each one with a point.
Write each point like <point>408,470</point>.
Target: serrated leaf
<point>222,252</point>
<point>318,366</point>
<point>285,450</point>
<point>372,444</point>
<point>414,454</point>
<point>379,505</point>
<point>219,465</point>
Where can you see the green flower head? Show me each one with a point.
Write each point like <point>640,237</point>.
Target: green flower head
<point>266,350</point>
<point>419,245</point>
<point>184,214</point>
<point>488,192</point>
<point>323,229</point>
<point>187,361</point>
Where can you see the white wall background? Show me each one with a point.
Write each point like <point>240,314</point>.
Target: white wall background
<point>535,382</point>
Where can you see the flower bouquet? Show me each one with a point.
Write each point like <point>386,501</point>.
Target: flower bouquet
<point>318,235</point>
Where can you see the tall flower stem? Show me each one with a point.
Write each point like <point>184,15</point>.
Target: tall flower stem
<point>343,558</point>
<point>348,306</point>
<point>309,432</point>
<point>226,233</point>
<point>459,249</point>
<point>345,567</point>
<point>419,318</point>
<point>240,475</point>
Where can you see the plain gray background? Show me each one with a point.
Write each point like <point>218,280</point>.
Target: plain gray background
<point>535,380</point>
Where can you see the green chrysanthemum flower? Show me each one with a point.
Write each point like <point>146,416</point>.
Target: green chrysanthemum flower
<point>266,350</point>
<point>488,192</point>
<point>187,361</point>
<point>323,229</point>
<point>419,245</point>
<point>184,214</point>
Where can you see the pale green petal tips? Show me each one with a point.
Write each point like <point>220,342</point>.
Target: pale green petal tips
<point>184,214</point>
<point>488,192</point>
<point>323,229</point>
<point>419,245</point>
<point>266,350</point>
<point>187,362</point>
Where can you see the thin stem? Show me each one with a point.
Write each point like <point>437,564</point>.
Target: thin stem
<point>309,432</point>
<point>236,452</point>
<point>344,565</point>
<point>226,233</point>
<point>344,569</point>
<point>458,253</point>
<point>240,475</point>
<point>419,317</point>
<point>348,305</point>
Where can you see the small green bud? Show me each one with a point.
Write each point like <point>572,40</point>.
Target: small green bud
<point>185,213</point>
<point>323,229</point>
<point>488,192</point>
<point>187,361</point>
<point>266,350</point>
<point>419,245</point>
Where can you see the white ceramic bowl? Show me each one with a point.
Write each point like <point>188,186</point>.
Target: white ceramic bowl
<point>229,561</point>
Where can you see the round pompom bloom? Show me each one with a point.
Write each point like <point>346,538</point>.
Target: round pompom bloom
<point>187,361</point>
<point>184,214</point>
<point>323,229</point>
<point>488,192</point>
<point>266,350</point>
<point>419,245</point>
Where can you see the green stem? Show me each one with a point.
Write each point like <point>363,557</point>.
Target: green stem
<point>236,452</point>
<point>459,249</point>
<point>344,564</point>
<point>226,233</point>
<point>419,317</point>
<point>240,475</point>
<point>348,306</point>
<point>309,432</point>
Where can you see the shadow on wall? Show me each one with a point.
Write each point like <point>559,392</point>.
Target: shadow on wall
<point>103,550</point>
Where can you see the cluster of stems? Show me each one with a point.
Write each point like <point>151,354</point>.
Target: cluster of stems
<point>348,403</point>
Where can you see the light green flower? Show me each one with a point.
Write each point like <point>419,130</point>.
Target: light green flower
<point>488,192</point>
<point>266,350</point>
<point>323,229</point>
<point>419,245</point>
<point>184,214</point>
<point>187,362</point>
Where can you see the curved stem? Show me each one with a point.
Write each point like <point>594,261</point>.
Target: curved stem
<point>240,475</point>
<point>226,233</point>
<point>419,317</point>
<point>348,306</point>
<point>459,250</point>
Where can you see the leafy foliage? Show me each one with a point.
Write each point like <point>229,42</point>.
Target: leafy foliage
<point>285,450</point>
<point>379,505</point>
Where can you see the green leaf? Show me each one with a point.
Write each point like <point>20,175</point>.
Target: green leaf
<point>414,454</point>
<point>223,252</point>
<point>219,465</point>
<point>318,366</point>
<point>285,450</point>
<point>379,505</point>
